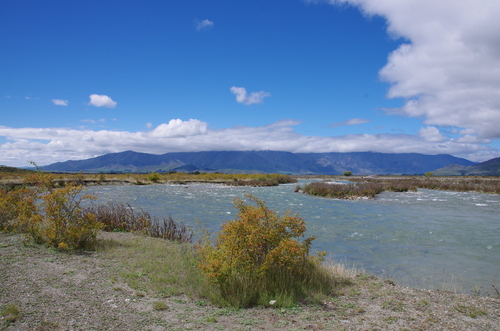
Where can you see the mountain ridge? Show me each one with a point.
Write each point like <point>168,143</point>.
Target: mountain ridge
<point>486,168</point>
<point>362,163</point>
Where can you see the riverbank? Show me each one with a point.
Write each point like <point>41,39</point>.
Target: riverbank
<point>13,180</point>
<point>98,290</point>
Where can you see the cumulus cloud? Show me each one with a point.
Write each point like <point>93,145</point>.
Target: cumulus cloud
<point>205,24</point>
<point>179,128</point>
<point>98,100</point>
<point>448,68</point>
<point>247,99</point>
<point>430,133</point>
<point>352,121</point>
<point>60,102</point>
<point>49,145</point>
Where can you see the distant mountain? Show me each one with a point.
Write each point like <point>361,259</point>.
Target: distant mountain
<point>487,168</point>
<point>363,163</point>
<point>13,170</point>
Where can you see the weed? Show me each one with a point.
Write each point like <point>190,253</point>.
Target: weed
<point>211,319</point>
<point>10,313</point>
<point>390,319</point>
<point>48,326</point>
<point>160,305</point>
<point>393,305</point>
<point>201,303</point>
<point>471,311</point>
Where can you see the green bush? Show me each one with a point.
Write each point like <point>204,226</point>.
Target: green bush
<point>154,177</point>
<point>257,257</point>
<point>347,173</point>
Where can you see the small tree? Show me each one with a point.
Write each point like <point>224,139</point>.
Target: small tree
<point>347,173</point>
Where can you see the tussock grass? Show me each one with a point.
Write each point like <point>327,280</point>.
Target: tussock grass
<point>10,313</point>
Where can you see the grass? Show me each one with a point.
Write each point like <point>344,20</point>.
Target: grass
<point>160,305</point>
<point>10,313</point>
<point>168,269</point>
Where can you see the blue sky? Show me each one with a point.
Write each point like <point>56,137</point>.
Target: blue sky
<point>80,78</point>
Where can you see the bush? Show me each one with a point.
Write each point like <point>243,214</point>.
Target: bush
<point>154,177</point>
<point>347,173</point>
<point>63,223</point>
<point>343,191</point>
<point>53,216</point>
<point>257,257</point>
<point>16,204</point>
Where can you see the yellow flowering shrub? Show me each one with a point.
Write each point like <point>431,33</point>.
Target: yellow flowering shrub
<point>53,216</point>
<point>259,248</point>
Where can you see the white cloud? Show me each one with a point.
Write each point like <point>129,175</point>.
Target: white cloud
<point>98,100</point>
<point>352,121</point>
<point>243,97</point>
<point>49,145</point>
<point>205,24</point>
<point>449,69</point>
<point>430,133</point>
<point>60,102</point>
<point>179,128</point>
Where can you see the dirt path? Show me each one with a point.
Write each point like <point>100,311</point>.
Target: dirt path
<point>57,291</point>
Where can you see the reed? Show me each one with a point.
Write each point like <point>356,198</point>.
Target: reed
<point>120,217</point>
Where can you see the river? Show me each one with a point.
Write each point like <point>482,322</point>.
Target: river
<point>426,239</point>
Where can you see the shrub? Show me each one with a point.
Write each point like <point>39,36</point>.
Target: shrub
<point>154,177</point>
<point>53,216</point>
<point>15,205</point>
<point>347,173</point>
<point>257,257</point>
<point>64,224</point>
<point>343,191</point>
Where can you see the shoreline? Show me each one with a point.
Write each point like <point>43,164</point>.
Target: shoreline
<point>85,291</point>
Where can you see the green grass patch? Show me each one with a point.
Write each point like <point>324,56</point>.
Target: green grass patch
<point>10,313</point>
<point>154,265</point>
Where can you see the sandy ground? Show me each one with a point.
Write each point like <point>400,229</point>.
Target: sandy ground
<point>58,291</point>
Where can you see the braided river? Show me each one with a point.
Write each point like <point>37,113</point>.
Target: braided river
<point>427,239</point>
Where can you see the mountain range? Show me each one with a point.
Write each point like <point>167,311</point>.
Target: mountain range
<point>487,168</point>
<point>359,163</point>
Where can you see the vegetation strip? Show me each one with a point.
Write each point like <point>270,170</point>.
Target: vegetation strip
<point>370,187</point>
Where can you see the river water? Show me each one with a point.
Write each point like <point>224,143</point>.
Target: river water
<point>426,239</point>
